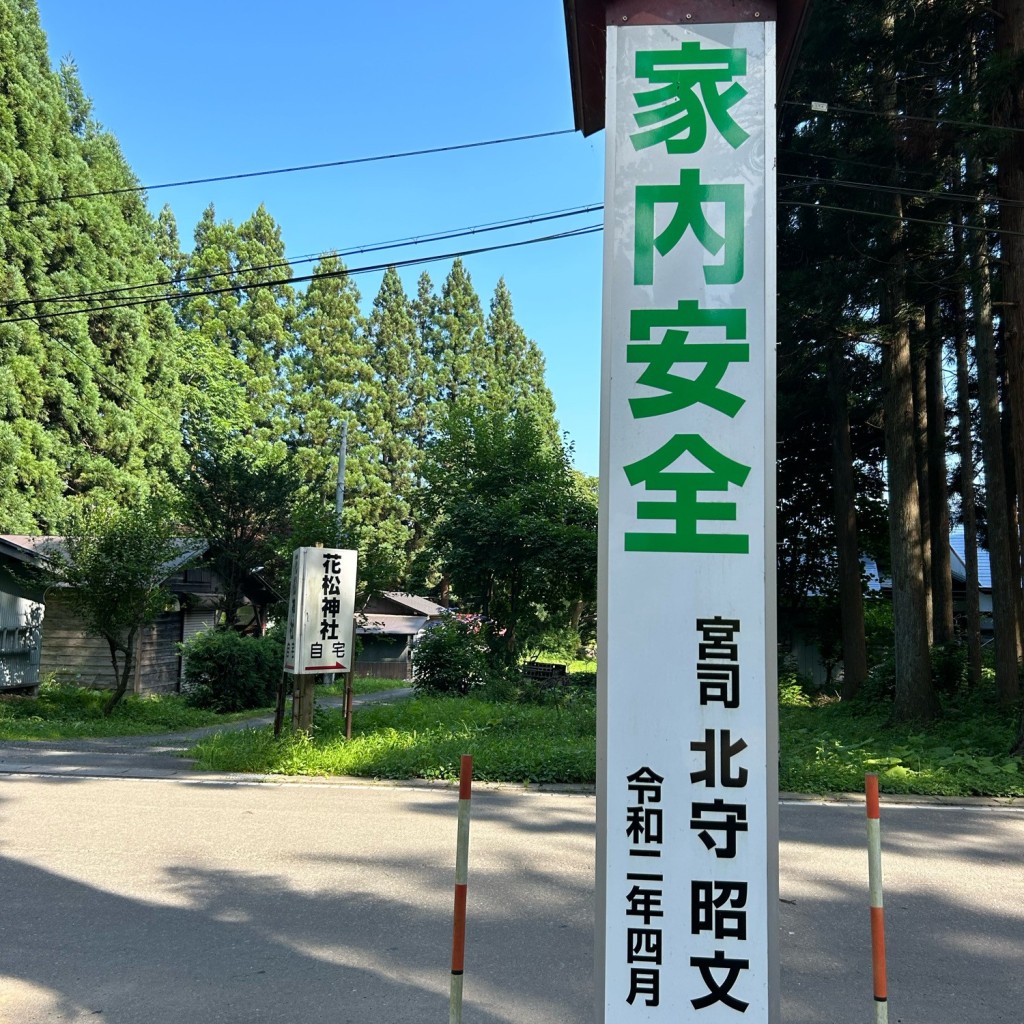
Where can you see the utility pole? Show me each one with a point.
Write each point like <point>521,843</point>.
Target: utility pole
<point>339,502</point>
<point>339,491</point>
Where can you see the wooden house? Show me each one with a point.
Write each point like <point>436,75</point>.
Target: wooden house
<point>387,628</point>
<point>66,650</point>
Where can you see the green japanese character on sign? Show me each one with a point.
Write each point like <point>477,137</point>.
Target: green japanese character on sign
<point>686,511</point>
<point>661,357</point>
<point>689,197</point>
<point>674,108</point>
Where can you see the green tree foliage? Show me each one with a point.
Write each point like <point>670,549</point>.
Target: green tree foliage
<point>88,402</point>
<point>513,529</point>
<point>453,655</point>
<point>114,559</point>
<point>235,338</point>
<point>333,379</point>
<point>242,505</point>
<point>396,420</point>
<point>515,375</point>
<point>329,379</point>
<point>425,310</point>
<point>459,342</point>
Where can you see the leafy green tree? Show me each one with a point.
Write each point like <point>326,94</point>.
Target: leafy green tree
<point>114,559</point>
<point>328,377</point>
<point>395,421</point>
<point>425,310</point>
<point>514,531</point>
<point>332,381</point>
<point>453,655</point>
<point>241,504</point>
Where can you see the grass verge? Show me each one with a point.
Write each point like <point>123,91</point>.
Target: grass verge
<point>828,747</point>
<point>424,738</point>
<point>825,746</point>
<point>73,712</point>
<point>361,684</point>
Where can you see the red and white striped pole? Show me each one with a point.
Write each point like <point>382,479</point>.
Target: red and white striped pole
<point>461,881</point>
<point>877,913</point>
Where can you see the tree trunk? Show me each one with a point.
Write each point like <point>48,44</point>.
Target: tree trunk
<point>918,369</point>
<point>1004,607</point>
<point>915,698</point>
<point>576,614</point>
<point>1009,111</point>
<point>963,406</point>
<point>938,504</point>
<point>851,597</point>
<point>122,675</point>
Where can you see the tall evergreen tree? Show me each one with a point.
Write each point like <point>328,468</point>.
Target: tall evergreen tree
<point>396,420</point>
<point>88,401</point>
<point>236,336</point>
<point>328,377</point>
<point>459,348</point>
<point>515,376</point>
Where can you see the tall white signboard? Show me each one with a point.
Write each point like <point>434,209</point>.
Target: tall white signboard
<point>687,859</point>
<point>320,609</point>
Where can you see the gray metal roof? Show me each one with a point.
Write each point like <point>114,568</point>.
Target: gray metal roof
<point>32,549</point>
<point>398,625</point>
<point>421,605</point>
<point>957,543</point>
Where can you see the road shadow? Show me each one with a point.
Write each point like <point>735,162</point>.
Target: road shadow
<point>954,914</point>
<point>371,943</point>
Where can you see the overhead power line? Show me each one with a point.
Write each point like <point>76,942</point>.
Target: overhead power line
<point>846,160</point>
<point>896,216</point>
<point>400,243</point>
<point>827,108</point>
<point>914,193</point>
<point>41,200</point>
<point>148,300</point>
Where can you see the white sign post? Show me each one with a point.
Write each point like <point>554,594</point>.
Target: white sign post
<point>687,802</point>
<point>321,605</point>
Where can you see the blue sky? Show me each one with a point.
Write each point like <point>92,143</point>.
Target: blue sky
<point>198,89</point>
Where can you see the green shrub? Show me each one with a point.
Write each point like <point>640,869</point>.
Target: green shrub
<point>225,671</point>
<point>792,692</point>
<point>580,678</point>
<point>453,655</point>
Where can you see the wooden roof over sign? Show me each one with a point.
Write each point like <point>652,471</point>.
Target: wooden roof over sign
<point>585,22</point>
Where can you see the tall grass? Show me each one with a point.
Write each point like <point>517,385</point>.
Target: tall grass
<point>425,738</point>
<point>62,711</point>
<point>826,746</point>
<point>362,684</point>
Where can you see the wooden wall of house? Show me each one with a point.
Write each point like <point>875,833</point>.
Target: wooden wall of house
<point>159,663</point>
<point>384,657</point>
<point>68,651</point>
<point>75,656</point>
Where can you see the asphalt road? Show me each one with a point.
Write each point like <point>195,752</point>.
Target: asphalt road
<point>175,901</point>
